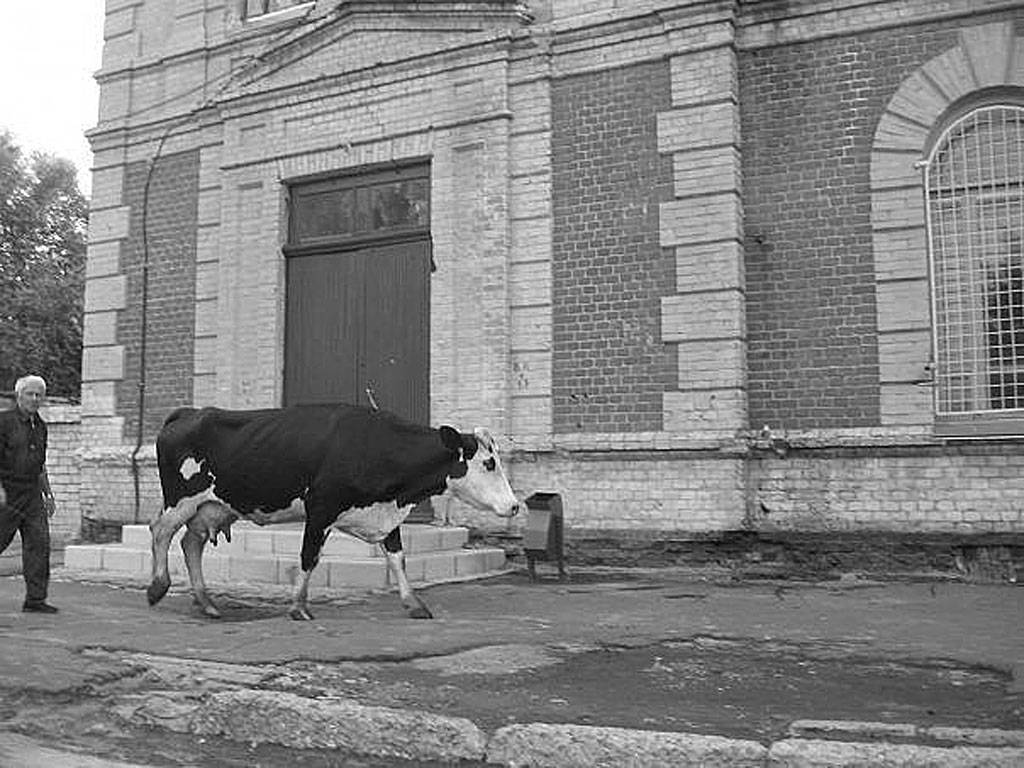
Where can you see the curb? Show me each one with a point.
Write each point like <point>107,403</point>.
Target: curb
<point>855,730</point>
<point>260,717</point>
<point>290,720</point>
<point>583,746</point>
<point>810,753</point>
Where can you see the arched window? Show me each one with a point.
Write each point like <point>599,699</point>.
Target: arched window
<point>974,184</point>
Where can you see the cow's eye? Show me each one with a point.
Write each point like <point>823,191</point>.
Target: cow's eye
<point>490,464</point>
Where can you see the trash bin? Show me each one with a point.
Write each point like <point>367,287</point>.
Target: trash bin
<point>544,535</point>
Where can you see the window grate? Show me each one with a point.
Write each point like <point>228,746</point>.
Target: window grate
<point>974,186</point>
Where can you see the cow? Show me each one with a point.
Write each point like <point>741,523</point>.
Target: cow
<point>354,468</point>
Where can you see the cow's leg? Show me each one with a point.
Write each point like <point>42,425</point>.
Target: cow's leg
<point>162,530</point>
<point>192,544</point>
<point>396,563</point>
<point>209,521</point>
<point>313,538</point>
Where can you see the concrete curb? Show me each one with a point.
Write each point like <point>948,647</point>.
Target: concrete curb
<point>257,716</point>
<point>289,720</point>
<point>853,730</point>
<point>816,753</point>
<point>581,746</point>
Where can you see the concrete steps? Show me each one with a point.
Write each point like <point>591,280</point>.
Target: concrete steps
<point>270,555</point>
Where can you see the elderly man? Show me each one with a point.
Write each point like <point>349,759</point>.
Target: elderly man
<point>26,502</point>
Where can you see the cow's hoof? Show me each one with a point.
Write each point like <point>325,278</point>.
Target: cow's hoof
<point>420,612</point>
<point>300,614</point>
<point>157,590</point>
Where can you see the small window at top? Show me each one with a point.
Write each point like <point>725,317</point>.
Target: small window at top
<point>372,206</point>
<point>255,8</point>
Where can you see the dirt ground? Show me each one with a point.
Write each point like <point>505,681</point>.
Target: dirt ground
<point>664,651</point>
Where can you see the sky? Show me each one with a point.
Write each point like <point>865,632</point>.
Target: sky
<point>49,53</point>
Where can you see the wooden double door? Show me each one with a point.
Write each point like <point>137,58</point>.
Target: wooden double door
<point>357,325</point>
<point>357,328</point>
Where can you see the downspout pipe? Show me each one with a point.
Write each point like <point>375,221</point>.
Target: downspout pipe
<point>143,323</point>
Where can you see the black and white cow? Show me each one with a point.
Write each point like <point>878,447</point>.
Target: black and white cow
<point>359,470</point>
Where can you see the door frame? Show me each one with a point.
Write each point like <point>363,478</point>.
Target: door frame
<point>301,244</point>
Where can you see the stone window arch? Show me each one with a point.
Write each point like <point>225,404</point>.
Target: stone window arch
<point>930,316</point>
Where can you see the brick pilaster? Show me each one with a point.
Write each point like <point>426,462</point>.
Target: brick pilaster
<point>706,318</point>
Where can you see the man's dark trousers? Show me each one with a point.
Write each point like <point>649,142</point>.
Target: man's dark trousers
<point>25,513</point>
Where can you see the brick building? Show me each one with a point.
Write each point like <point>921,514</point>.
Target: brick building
<point>714,269</point>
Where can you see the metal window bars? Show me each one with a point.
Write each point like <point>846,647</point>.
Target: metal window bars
<point>974,193</point>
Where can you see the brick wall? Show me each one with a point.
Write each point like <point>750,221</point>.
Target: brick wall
<point>609,272</point>
<point>809,113</point>
<point>649,491</point>
<point>959,488</point>
<point>554,155</point>
<point>63,467</point>
<point>171,226</point>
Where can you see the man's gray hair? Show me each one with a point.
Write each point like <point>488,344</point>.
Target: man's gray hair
<point>24,381</point>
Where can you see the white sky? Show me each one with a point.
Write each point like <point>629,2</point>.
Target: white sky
<point>49,52</point>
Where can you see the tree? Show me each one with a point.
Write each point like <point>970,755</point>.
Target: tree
<point>43,218</point>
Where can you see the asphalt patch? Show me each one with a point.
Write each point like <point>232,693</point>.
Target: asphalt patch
<point>715,686</point>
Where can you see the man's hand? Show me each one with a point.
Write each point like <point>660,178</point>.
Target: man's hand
<point>51,505</point>
<point>3,496</point>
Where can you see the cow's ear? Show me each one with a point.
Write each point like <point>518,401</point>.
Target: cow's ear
<point>451,438</point>
<point>469,446</point>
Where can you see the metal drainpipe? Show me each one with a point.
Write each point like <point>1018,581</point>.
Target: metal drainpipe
<point>142,329</point>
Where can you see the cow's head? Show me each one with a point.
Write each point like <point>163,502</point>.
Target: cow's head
<point>484,484</point>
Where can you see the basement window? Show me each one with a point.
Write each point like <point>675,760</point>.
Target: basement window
<point>974,186</point>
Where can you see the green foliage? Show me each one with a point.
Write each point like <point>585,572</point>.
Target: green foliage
<point>43,218</point>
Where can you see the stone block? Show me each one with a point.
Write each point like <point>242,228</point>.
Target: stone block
<point>103,363</point>
<point>901,254</point>
<point>918,101</point>
<point>102,259</point>
<point>703,316</point>
<point>903,305</point>
<point>952,73</point>
<point>703,76</point>
<point>711,364</point>
<point>100,329</point>
<point>705,125</point>
<point>700,219</point>
<point>904,356</point>
<point>531,328</point>
<point>126,560</point>
<point>437,566</point>
<point>356,573</point>
<point>906,404</point>
<point>105,293</point>
<point>84,557</point>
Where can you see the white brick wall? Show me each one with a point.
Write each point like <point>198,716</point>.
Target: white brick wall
<point>483,117</point>
<point>890,493</point>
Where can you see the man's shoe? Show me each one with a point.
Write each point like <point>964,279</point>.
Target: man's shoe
<point>38,606</point>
